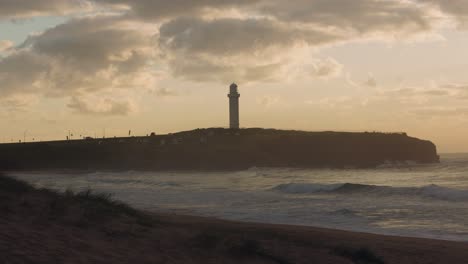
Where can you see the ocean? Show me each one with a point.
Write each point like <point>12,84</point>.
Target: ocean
<point>429,201</point>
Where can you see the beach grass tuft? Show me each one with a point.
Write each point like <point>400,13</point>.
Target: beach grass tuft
<point>362,255</point>
<point>82,208</point>
<point>11,185</point>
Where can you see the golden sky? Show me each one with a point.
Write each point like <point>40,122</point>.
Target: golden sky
<point>89,66</point>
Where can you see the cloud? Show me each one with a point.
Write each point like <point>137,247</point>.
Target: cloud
<point>254,49</point>
<point>244,36</point>
<point>22,72</point>
<point>268,101</point>
<point>91,44</point>
<point>359,16</point>
<point>5,45</point>
<point>453,91</point>
<point>436,101</point>
<point>17,103</point>
<point>205,40</point>
<point>327,68</point>
<point>445,112</point>
<point>106,107</point>
<point>410,95</point>
<point>163,9</point>
<point>202,69</point>
<point>82,55</point>
<point>371,81</point>
<point>456,8</point>
<point>165,92</point>
<point>236,45</point>
<point>14,9</point>
<point>455,86</point>
<point>459,91</point>
<point>420,100</point>
<point>340,105</point>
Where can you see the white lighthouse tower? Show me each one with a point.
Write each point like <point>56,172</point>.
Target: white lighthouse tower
<point>233,107</point>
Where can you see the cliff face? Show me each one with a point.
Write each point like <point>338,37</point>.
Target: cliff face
<point>221,149</point>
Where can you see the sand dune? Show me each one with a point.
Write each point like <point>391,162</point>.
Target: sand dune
<point>40,226</point>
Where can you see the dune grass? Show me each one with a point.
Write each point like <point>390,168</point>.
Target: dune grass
<point>11,185</point>
<point>82,208</point>
<point>360,255</point>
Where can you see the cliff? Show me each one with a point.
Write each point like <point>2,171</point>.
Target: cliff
<point>219,149</point>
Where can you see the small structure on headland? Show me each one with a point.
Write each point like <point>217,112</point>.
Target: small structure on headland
<point>233,107</point>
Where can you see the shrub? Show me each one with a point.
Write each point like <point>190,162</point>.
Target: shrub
<point>101,206</point>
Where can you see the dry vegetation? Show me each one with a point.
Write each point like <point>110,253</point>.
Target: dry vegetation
<point>41,226</point>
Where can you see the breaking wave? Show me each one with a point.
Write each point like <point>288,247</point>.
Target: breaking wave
<point>429,191</point>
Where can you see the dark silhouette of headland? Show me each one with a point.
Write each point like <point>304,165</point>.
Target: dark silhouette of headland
<point>221,149</point>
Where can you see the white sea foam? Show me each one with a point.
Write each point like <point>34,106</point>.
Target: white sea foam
<point>421,200</point>
<point>303,188</point>
<point>429,191</point>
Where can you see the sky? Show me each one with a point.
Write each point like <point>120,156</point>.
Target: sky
<point>95,67</point>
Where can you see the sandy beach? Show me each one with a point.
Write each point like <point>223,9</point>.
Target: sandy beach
<point>41,226</point>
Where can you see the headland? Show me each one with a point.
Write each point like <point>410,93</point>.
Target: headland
<point>221,149</point>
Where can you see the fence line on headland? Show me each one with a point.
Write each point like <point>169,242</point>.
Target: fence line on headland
<point>12,141</point>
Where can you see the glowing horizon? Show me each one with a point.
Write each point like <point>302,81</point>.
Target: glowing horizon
<point>366,65</point>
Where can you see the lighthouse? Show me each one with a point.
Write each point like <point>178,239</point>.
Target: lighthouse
<point>233,106</point>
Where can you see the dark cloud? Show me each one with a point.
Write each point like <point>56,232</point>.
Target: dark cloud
<point>163,9</point>
<point>198,39</point>
<point>84,55</point>
<point>204,40</point>
<point>358,15</point>
<point>90,43</point>
<point>275,28</point>
<point>223,49</point>
<point>22,72</point>
<point>231,36</point>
